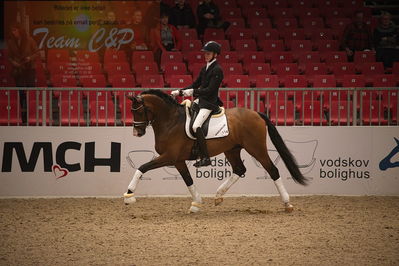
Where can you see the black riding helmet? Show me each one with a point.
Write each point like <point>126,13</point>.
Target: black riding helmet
<point>212,46</point>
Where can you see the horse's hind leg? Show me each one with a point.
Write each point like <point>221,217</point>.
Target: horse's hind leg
<point>262,156</point>
<point>185,173</point>
<point>233,156</point>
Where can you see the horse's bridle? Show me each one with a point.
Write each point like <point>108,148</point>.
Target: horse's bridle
<point>147,122</point>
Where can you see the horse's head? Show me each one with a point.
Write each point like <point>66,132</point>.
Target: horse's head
<point>140,115</point>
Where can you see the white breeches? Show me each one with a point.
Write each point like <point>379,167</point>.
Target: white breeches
<point>201,117</point>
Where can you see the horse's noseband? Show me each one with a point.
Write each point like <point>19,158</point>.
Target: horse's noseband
<point>147,122</point>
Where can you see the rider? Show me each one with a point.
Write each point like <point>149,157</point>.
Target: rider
<point>205,89</point>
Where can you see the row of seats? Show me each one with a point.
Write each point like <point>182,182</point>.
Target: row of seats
<point>375,107</point>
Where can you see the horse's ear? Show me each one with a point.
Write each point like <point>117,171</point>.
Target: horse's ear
<point>132,98</point>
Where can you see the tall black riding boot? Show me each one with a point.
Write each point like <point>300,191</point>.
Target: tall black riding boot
<point>204,161</point>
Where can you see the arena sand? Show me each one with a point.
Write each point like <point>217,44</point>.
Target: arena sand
<point>323,230</point>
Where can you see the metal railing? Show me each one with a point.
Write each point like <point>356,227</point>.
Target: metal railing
<point>285,106</point>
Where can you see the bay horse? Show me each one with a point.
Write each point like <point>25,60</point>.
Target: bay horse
<point>247,130</point>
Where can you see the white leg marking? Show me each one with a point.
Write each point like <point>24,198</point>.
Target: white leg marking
<point>197,200</point>
<point>129,198</point>
<point>281,189</point>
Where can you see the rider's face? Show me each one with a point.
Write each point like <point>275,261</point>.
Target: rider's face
<point>208,56</point>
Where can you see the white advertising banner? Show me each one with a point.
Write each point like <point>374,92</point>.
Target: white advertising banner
<point>51,161</point>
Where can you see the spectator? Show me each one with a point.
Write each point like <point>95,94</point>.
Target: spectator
<point>154,10</point>
<point>181,15</point>
<point>386,40</point>
<point>357,36</point>
<point>140,41</point>
<point>22,54</point>
<point>209,17</point>
<point>165,37</point>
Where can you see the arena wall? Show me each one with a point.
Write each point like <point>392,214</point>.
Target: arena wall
<point>88,162</point>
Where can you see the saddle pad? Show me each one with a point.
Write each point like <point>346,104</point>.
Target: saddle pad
<point>218,126</point>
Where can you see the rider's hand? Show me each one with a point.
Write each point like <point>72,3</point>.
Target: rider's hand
<point>175,93</point>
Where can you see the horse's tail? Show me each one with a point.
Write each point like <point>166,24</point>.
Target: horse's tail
<point>282,149</point>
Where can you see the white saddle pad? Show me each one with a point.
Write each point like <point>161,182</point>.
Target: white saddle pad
<point>218,126</point>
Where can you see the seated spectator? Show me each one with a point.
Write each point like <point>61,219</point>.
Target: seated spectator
<point>386,40</point>
<point>181,15</point>
<point>357,36</point>
<point>165,37</point>
<point>140,41</point>
<point>209,17</point>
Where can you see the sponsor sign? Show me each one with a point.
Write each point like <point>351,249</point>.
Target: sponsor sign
<point>101,162</point>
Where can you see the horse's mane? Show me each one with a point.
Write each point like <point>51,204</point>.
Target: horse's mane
<point>164,96</point>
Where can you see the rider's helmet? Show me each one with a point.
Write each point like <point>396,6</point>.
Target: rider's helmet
<point>212,46</point>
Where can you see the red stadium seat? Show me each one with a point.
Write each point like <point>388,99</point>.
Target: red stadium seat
<point>94,81</point>
<point>334,57</point>
<point>301,4</point>
<point>152,81</point>
<point>195,69</point>
<point>266,34</point>
<point>341,69</point>
<point>61,68</point>
<point>168,57</point>
<point>254,12</point>
<point>353,81</point>
<point>267,81</point>
<point>61,81</point>
<point>194,57</point>
<point>326,45</point>
<point>180,81</point>
<point>303,57</point>
<point>227,57</point>
<point>249,57</point>
<point>102,113</point>
<point>332,12</point>
<point>271,45</point>
<point>308,12</point>
<point>142,57</point>
<point>71,113</point>
<point>57,55</point>
<point>319,34</point>
<point>384,81</point>
<point>10,113</point>
<point>276,4</point>
<point>250,3</point>
<point>282,113</point>
<point>295,81</point>
<point>237,81</point>
<point>282,12</point>
<point>114,56</point>
<point>364,57</point>
<point>226,3</point>
<point>122,81</point>
<point>239,34</point>
<point>172,69</point>
<point>188,34</point>
<point>85,56</point>
<point>230,12</point>
<point>286,23</point>
<point>35,112</point>
<point>372,113</point>
<point>244,45</point>
<point>88,69</point>
<point>191,45</point>
<point>232,69</point>
<point>277,57</point>
<point>312,23</point>
<point>340,113</point>
<point>324,81</point>
<point>311,114</point>
<point>292,34</point>
<point>211,34</point>
<point>312,69</point>
<point>299,45</point>
<point>236,23</point>
<point>121,68</point>
<point>286,69</point>
<point>255,69</point>
<point>142,69</point>
<point>6,80</point>
<point>259,23</point>
<point>225,44</point>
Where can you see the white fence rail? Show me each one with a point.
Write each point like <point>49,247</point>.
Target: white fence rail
<point>285,106</point>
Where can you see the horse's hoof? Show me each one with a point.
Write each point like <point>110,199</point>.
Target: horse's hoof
<point>195,207</point>
<point>129,198</point>
<point>218,201</point>
<point>288,207</point>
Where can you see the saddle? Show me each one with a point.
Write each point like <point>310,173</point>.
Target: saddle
<point>215,126</point>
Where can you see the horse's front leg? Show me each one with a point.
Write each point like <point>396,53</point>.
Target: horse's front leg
<point>156,163</point>
<point>185,173</point>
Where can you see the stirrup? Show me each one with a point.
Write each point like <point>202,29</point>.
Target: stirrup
<point>203,162</point>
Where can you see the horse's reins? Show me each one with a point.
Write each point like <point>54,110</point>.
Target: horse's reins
<point>147,122</point>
